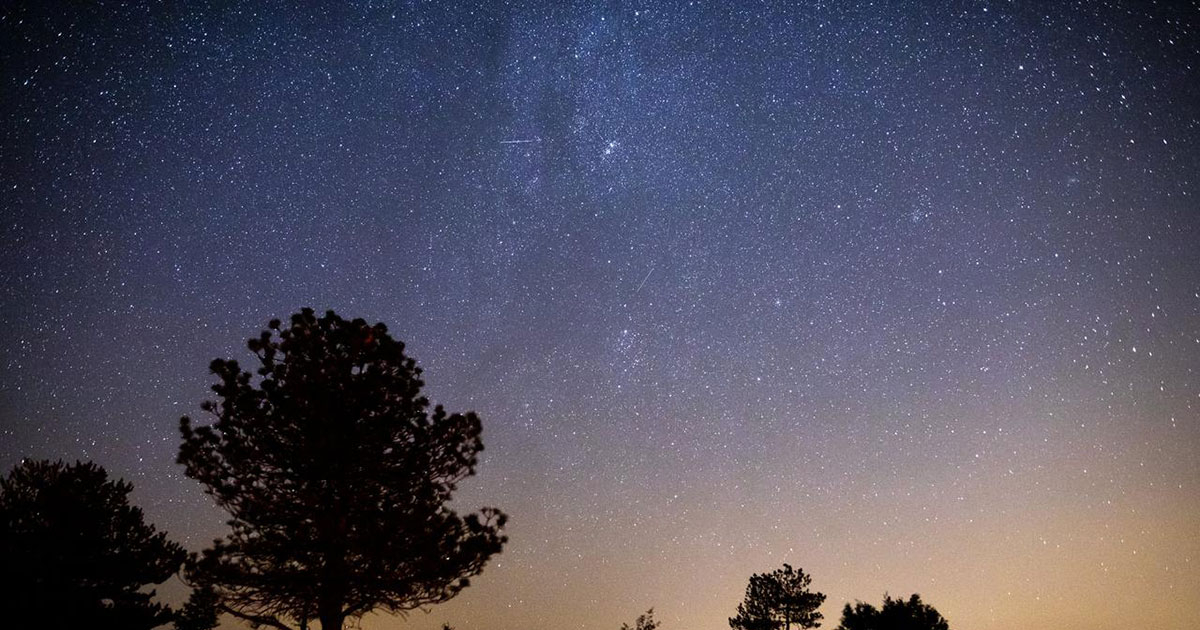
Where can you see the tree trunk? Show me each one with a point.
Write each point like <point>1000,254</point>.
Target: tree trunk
<point>329,606</point>
<point>332,620</point>
<point>329,609</point>
<point>332,591</point>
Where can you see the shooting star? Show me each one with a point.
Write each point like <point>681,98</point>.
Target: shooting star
<point>635,291</point>
<point>520,141</point>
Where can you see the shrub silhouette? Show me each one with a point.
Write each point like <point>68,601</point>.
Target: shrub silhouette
<point>896,614</point>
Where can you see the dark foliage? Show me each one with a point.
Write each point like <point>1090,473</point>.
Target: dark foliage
<point>75,554</point>
<point>780,599</point>
<point>200,612</point>
<point>337,477</point>
<point>643,622</point>
<point>896,614</point>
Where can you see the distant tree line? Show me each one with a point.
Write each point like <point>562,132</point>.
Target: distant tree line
<point>782,600</point>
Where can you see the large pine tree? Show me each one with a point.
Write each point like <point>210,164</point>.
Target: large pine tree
<point>337,477</point>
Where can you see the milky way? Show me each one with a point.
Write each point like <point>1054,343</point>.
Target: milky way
<point>907,296</point>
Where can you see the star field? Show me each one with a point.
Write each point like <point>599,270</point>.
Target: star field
<point>905,295</point>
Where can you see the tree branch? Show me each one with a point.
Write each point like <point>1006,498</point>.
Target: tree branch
<point>262,620</point>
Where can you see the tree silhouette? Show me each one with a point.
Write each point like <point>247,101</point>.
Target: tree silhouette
<point>779,599</point>
<point>200,612</point>
<point>337,477</point>
<point>75,554</point>
<point>896,614</point>
<point>643,622</point>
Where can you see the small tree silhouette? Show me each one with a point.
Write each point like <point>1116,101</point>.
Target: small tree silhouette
<point>644,621</point>
<point>75,554</point>
<point>337,478</point>
<point>896,614</point>
<point>200,612</point>
<point>779,599</point>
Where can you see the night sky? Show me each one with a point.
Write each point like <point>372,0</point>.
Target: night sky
<point>907,296</point>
